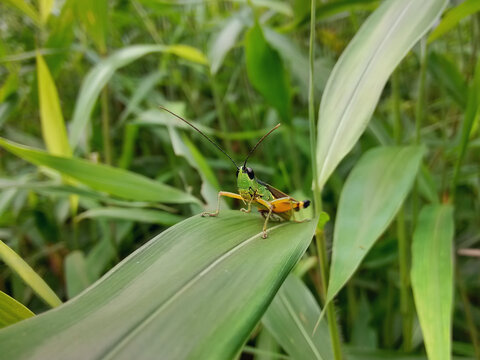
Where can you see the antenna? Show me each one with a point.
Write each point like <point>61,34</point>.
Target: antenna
<point>258,143</point>
<point>206,137</point>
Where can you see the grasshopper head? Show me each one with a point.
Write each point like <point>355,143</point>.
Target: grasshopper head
<point>245,178</point>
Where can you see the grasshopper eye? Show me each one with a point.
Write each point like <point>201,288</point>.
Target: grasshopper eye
<point>250,173</point>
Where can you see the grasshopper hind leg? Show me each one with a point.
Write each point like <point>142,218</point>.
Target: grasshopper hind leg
<point>220,194</point>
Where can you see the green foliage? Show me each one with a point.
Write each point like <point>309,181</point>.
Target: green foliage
<point>91,169</point>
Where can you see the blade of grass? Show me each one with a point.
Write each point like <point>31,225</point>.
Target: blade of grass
<point>141,215</point>
<point>11,311</point>
<point>28,275</point>
<point>118,182</point>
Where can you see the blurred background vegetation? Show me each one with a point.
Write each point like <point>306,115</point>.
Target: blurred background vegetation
<point>114,62</point>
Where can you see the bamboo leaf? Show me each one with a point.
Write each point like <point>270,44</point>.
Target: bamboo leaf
<point>31,278</point>
<point>372,195</point>
<point>453,17</point>
<point>432,278</point>
<point>218,271</point>
<point>114,181</point>
<point>45,9</point>
<point>11,311</point>
<point>98,77</point>
<point>141,215</point>
<point>291,318</point>
<point>53,126</point>
<point>25,8</point>
<point>360,74</point>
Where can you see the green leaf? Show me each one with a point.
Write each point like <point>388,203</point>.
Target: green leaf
<point>360,74</point>
<point>118,182</point>
<point>141,215</point>
<point>447,74</point>
<point>195,291</point>
<point>266,72</point>
<point>98,77</point>
<point>432,278</point>
<point>53,127</point>
<point>453,17</point>
<point>223,42</point>
<point>291,319</point>
<point>93,14</point>
<point>188,53</point>
<point>25,8</point>
<point>31,278</point>
<point>372,195</point>
<point>45,9</point>
<point>76,273</point>
<point>11,311</point>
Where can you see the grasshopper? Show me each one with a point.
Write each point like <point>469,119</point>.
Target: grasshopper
<point>252,191</point>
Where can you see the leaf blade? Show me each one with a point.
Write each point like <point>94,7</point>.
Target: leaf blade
<point>432,278</point>
<point>368,203</point>
<point>357,80</point>
<point>225,264</point>
<point>118,182</point>
<point>31,278</point>
<point>12,311</point>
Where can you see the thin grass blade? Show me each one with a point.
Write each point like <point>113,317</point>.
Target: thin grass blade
<point>11,311</point>
<point>114,181</point>
<point>31,278</point>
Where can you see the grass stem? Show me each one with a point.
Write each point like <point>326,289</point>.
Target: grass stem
<point>319,233</point>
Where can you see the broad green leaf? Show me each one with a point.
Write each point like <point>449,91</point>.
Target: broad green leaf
<point>93,14</point>
<point>266,72</point>
<point>76,273</point>
<point>53,126</point>
<point>432,278</point>
<point>141,215</point>
<point>453,17</point>
<point>447,74</point>
<point>114,181</point>
<point>98,77</point>
<point>372,195</point>
<point>195,291</point>
<point>11,311</point>
<point>223,42</point>
<point>26,8</point>
<point>29,276</point>
<point>291,318</point>
<point>360,74</point>
<point>45,9</point>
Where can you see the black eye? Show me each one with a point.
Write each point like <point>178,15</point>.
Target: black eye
<point>250,173</point>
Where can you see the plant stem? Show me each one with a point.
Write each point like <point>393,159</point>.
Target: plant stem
<point>107,149</point>
<point>472,329</point>
<point>403,243</point>
<point>319,234</point>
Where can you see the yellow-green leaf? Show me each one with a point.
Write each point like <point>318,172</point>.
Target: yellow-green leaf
<point>45,9</point>
<point>432,278</point>
<point>11,311</point>
<point>53,126</point>
<point>189,53</point>
<point>31,278</point>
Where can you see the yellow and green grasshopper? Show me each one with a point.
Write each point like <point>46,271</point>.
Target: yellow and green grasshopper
<point>251,190</point>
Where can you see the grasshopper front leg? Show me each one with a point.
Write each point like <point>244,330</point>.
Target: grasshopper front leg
<point>220,194</point>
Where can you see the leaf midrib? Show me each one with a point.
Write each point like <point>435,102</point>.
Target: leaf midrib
<point>109,354</point>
